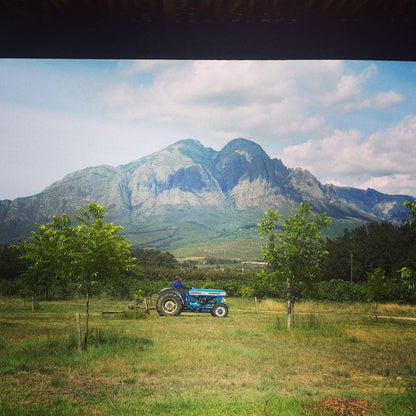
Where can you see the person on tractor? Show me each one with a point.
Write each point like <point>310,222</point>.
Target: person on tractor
<point>178,286</point>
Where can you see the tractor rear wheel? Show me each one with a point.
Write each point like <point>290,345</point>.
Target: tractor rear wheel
<point>169,304</point>
<point>220,310</point>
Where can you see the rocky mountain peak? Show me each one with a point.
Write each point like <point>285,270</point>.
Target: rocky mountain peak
<point>245,148</point>
<point>194,150</point>
<point>241,159</point>
<point>187,192</point>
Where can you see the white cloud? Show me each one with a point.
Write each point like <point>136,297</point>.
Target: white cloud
<point>253,98</point>
<point>267,99</point>
<point>386,160</point>
<point>397,184</point>
<point>381,100</point>
<point>349,93</point>
<point>335,153</point>
<point>387,99</point>
<point>144,66</point>
<point>347,86</point>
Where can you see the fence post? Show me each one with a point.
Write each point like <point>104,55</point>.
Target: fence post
<point>255,302</point>
<point>78,320</point>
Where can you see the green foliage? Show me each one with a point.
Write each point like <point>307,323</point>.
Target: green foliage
<point>266,286</point>
<point>88,254</point>
<point>46,254</point>
<point>335,290</point>
<point>412,209</point>
<point>154,258</point>
<point>373,245</point>
<point>246,291</point>
<point>139,295</point>
<point>10,268</point>
<point>377,287</point>
<point>294,251</point>
<point>209,284</point>
<point>97,254</point>
<point>408,277</point>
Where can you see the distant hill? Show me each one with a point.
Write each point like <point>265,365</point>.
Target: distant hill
<point>189,194</point>
<point>381,206</point>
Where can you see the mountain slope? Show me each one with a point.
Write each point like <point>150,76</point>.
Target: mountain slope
<point>382,206</point>
<point>188,193</point>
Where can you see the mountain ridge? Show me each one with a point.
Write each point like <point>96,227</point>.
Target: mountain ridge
<point>188,193</point>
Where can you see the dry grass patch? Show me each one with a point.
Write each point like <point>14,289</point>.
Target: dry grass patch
<point>332,406</point>
<point>352,309</point>
<point>270,305</point>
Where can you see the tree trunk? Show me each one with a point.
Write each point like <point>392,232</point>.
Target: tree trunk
<point>86,322</point>
<point>290,305</point>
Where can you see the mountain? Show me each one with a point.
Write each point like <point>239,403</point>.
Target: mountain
<point>382,206</point>
<point>190,194</point>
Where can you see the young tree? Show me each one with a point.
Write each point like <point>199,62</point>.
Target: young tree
<point>294,251</point>
<point>377,287</point>
<point>88,254</point>
<point>98,254</point>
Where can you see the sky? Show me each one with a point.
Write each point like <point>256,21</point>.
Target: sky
<point>350,123</point>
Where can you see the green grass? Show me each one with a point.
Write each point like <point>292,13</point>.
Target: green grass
<point>198,365</point>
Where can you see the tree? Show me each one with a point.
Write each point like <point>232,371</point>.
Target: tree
<point>154,258</point>
<point>373,245</point>
<point>408,275</point>
<point>293,252</point>
<point>97,253</point>
<point>88,254</point>
<point>412,209</point>
<point>45,256</point>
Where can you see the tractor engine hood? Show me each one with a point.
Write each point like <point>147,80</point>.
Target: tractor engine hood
<point>207,292</point>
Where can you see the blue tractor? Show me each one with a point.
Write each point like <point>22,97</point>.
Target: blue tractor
<point>172,302</point>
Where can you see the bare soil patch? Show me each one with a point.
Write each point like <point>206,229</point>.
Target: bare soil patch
<point>331,406</point>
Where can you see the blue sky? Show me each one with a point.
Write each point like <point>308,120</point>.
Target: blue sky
<point>349,123</point>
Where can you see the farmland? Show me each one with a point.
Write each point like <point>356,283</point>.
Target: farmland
<point>246,364</point>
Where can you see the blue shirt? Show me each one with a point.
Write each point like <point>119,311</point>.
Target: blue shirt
<point>178,285</point>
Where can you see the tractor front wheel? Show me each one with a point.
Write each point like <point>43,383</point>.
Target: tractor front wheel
<point>169,304</point>
<point>220,310</point>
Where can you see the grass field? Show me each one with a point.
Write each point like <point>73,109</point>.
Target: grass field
<point>194,364</point>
